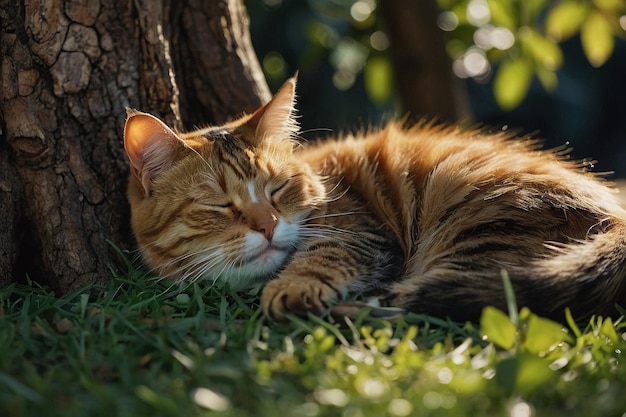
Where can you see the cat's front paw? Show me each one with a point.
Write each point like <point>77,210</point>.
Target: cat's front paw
<point>297,296</point>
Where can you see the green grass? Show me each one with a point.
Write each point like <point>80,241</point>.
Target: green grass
<point>136,347</point>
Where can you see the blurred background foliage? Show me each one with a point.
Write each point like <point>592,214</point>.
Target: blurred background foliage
<point>552,67</point>
<point>335,46</point>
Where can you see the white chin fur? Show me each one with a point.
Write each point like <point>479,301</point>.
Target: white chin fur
<point>256,271</point>
<point>265,259</point>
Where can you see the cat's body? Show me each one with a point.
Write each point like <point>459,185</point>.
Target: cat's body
<point>425,218</point>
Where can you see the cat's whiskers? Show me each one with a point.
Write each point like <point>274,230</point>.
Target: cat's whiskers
<point>178,259</point>
<point>136,256</point>
<point>325,232</point>
<point>310,223</point>
<point>226,269</point>
<point>328,232</point>
<point>311,231</point>
<point>301,140</point>
<point>329,215</point>
<point>219,266</point>
<point>199,268</point>
<point>313,130</point>
<point>332,235</point>
<point>330,194</point>
<point>187,264</point>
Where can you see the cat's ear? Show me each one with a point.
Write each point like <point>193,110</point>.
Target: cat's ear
<point>277,117</point>
<point>151,146</point>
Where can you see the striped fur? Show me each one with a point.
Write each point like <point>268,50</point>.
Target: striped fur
<point>426,218</point>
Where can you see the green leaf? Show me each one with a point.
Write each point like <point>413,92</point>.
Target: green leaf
<point>612,6</point>
<point>512,82</point>
<point>533,373</point>
<point>543,334</point>
<point>597,39</point>
<point>548,78</point>
<point>524,373</point>
<point>502,14</point>
<point>378,79</point>
<point>460,10</point>
<point>535,7</point>
<point>498,328</point>
<point>572,323</point>
<point>19,388</point>
<point>545,52</point>
<point>565,19</point>
<point>608,330</point>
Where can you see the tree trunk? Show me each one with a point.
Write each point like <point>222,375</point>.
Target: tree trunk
<point>217,70</point>
<point>68,71</point>
<point>422,68</point>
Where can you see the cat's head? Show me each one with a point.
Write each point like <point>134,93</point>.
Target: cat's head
<point>225,203</point>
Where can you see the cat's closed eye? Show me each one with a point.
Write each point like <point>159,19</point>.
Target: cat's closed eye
<point>222,206</point>
<point>275,191</point>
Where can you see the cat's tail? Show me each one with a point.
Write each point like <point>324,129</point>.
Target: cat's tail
<point>589,276</point>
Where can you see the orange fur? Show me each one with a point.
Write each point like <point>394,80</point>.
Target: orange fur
<point>425,218</point>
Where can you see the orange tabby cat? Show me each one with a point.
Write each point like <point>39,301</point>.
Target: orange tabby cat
<point>425,218</point>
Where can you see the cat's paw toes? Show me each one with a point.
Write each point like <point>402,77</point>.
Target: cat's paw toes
<point>281,297</point>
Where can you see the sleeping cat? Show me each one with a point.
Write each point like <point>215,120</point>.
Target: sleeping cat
<point>424,218</point>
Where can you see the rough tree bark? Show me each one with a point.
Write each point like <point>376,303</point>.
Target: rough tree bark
<point>421,65</point>
<point>68,71</point>
<point>212,51</point>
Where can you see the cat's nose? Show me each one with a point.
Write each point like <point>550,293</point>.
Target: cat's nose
<point>267,226</point>
<point>261,219</point>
